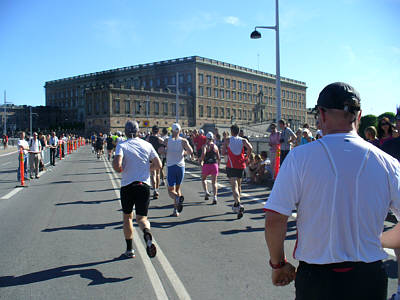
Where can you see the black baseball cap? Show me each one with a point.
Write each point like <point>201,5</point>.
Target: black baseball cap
<point>340,95</point>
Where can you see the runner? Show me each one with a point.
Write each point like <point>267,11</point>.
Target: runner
<point>234,148</point>
<point>99,145</point>
<point>176,147</point>
<point>110,146</point>
<point>199,141</point>
<point>157,144</point>
<point>163,157</point>
<point>210,161</point>
<point>93,140</point>
<point>135,156</point>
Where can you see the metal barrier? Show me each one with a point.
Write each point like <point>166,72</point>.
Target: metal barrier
<point>260,144</point>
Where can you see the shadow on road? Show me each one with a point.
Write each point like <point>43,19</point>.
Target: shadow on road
<point>104,190</point>
<point>203,219</point>
<point>94,275</point>
<point>84,227</point>
<point>88,173</point>
<point>86,202</point>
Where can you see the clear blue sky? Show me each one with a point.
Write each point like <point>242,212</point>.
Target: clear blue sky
<point>357,41</point>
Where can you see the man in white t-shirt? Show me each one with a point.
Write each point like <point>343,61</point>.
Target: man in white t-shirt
<point>132,159</point>
<point>23,144</point>
<point>35,149</point>
<point>341,203</point>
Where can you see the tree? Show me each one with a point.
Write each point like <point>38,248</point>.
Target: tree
<point>366,121</point>
<point>389,115</point>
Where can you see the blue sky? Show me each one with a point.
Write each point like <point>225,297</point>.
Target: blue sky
<point>356,41</point>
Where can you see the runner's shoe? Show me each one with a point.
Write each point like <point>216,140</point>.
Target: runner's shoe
<point>150,247</point>
<point>155,195</point>
<point>179,203</point>
<point>130,253</point>
<point>207,196</point>
<point>215,200</point>
<point>395,296</point>
<point>235,209</point>
<point>175,213</point>
<point>241,211</point>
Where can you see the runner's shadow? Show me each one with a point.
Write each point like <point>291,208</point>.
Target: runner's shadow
<point>248,229</point>
<point>189,221</point>
<point>84,227</point>
<point>92,173</point>
<point>94,275</point>
<point>171,206</point>
<point>104,190</point>
<point>86,202</point>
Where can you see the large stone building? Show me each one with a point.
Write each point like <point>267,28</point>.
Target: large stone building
<point>210,91</point>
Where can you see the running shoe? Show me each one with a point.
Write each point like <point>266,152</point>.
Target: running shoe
<point>155,195</point>
<point>241,211</point>
<point>215,200</point>
<point>207,196</point>
<point>235,209</point>
<point>130,253</point>
<point>150,247</point>
<point>175,213</point>
<point>180,203</point>
<point>395,296</point>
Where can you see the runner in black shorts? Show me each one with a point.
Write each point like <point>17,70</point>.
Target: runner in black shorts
<point>110,146</point>
<point>135,154</point>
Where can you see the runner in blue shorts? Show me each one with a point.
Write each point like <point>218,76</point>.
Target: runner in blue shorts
<point>176,147</point>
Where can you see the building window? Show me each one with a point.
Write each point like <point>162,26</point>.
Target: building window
<point>156,108</point>
<point>283,94</point>
<point>173,109</point>
<point>165,109</point>
<point>228,83</point>
<point>215,112</point>
<point>158,81</point>
<point>137,107</point>
<point>208,92</point>
<point>189,90</point>
<point>201,113</point>
<point>216,93</point>
<point>201,91</point>
<point>234,113</point>
<point>240,96</point>
<point>173,80</point>
<point>244,86</point>
<point>233,95</point>
<point>240,85</point>
<point>208,79</point>
<point>234,84</point>
<point>180,78</point>
<point>181,109</point>
<point>201,78</point>
<point>97,107</point>
<point>249,115</point>
<point>221,81</point>
<point>189,77</point>
<point>244,97</point>
<point>208,111</point>
<point>228,94</point>
<point>255,88</point>
<point>165,80</point>
<point>222,112</point>
<point>215,80</point>
<point>245,115</point>
<point>228,113</point>
<point>127,107</point>
<point>250,98</point>
<point>116,107</point>
<point>151,83</point>
<point>240,114</point>
<point>222,94</point>
<point>105,106</point>
<point>250,87</point>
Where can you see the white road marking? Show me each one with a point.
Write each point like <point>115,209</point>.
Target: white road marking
<point>165,264</point>
<point>12,193</point>
<point>8,153</point>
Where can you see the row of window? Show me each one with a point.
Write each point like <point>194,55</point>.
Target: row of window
<point>228,113</point>
<point>250,87</point>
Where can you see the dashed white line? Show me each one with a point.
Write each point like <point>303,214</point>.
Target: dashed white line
<point>12,193</point>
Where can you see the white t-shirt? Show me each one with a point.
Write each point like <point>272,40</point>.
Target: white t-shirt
<point>342,188</point>
<point>175,152</point>
<point>24,144</point>
<point>136,156</point>
<point>35,145</point>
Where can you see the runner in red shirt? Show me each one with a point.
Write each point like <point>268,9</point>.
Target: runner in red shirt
<point>235,148</point>
<point>199,141</point>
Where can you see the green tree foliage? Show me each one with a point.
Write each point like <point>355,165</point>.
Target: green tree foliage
<point>389,115</point>
<point>366,121</point>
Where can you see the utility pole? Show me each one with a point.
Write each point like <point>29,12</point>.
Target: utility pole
<point>5,114</point>
<point>177,97</point>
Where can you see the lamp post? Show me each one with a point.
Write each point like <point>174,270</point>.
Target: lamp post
<point>5,113</point>
<point>256,35</point>
<point>176,86</point>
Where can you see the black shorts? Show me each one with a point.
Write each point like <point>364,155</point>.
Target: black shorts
<point>234,173</point>
<point>135,194</point>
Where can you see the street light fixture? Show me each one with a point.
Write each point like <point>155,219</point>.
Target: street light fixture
<point>257,35</point>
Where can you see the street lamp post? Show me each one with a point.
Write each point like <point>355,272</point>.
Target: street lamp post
<point>176,86</point>
<point>256,35</point>
<point>5,113</point>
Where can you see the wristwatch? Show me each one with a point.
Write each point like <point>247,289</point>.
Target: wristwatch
<point>278,265</point>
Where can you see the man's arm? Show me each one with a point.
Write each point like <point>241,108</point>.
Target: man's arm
<point>275,233</point>
<point>248,147</point>
<point>187,147</point>
<point>391,238</point>
<point>117,163</point>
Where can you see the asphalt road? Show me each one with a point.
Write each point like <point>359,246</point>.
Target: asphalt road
<point>61,238</point>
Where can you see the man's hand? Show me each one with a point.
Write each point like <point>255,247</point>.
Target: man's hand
<point>284,275</point>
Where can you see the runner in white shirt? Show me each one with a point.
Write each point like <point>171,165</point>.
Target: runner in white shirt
<point>132,158</point>
<point>34,155</point>
<point>176,147</point>
<point>341,203</point>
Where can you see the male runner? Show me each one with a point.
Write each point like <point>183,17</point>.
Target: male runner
<point>176,147</point>
<point>234,148</point>
<point>163,157</point>
<point>132,158</point>
<point>157,143</point>
<point>110,145</point>
<point>99,145</point>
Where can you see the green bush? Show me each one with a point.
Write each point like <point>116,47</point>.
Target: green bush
<point>366,121</point>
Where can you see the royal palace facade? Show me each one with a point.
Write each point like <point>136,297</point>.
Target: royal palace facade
<point>209,91</point>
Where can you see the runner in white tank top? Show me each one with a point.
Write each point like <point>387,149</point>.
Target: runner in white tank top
<point>176,147</point>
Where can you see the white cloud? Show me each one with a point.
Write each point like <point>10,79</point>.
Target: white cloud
<point>232,20</point>
<point>115,33</point>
